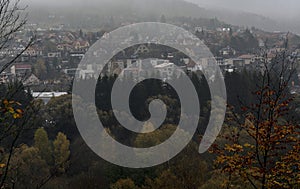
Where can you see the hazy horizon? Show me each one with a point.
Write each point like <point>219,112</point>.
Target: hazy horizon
<point>281,15</point>
<point>285,9</point>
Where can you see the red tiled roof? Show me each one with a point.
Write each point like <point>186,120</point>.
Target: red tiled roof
<point>23,66</point>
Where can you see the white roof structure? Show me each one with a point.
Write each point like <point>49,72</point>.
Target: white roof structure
<point>164,65</point>
<point>48,94</point>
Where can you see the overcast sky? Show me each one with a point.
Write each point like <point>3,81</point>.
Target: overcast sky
<point>288,9</point>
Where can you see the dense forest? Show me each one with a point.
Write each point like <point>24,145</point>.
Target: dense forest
<point>50,153</point>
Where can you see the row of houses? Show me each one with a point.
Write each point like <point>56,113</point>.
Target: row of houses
<point>133,68</point>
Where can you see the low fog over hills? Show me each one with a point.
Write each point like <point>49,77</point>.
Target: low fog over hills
<point>277,9</point>
<point>283,14</point>
<point>97,12</point>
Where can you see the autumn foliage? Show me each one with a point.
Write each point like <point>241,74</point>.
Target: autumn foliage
<point>260,145</point>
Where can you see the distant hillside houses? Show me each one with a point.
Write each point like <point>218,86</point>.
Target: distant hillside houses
<point>57,52</point>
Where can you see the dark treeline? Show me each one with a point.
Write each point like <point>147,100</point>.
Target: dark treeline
<point>87,170</point>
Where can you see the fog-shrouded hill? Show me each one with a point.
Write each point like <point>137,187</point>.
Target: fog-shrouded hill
<point>247,19</point>
<point>96,13</point>
<point>78,13</point>
<point>116,7</point>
